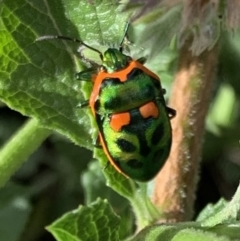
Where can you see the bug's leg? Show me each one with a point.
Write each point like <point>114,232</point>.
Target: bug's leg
<point>171,112</point>
<point>142,60</point>
<point>97,143</point>
<point>86,75</point>
<point>83,104</point>
<point>106,166</point>
<point>164,91</point>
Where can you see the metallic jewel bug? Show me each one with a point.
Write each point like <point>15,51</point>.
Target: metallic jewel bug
<point>130,111</point>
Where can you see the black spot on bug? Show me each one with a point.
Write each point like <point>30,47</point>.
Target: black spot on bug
<point>137,73</point>
<point>134,73</point>
<point>158,155</point>
<point>144,148</point>
<point>163,153</point>
<point>157,84</point>
<point>134,163</point>
<point>109,82</point>
<point>157,134</point>
<point>125,145</point>
<point>138,126</point>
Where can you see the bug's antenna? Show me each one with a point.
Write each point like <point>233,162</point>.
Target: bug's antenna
<point>125,33</point>
<point>48,37</point>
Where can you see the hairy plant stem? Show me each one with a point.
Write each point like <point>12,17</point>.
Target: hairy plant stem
<point>13,154</point>
<point>175,185</point>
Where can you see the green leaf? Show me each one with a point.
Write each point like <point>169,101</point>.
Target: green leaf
<point>94,186</point>
<point>38,78</point>
<point>93,183</point>
<point>228,214</point>
<point>211,209</point>
<point>219,116</point>
<point>95,222</point>
<point>154,31</point>
<point>188,232</point>
<point>96,22</point>
<point>231,230</point>
<point>198,235</point>
<point>136,193</point>
<point>124,186</point>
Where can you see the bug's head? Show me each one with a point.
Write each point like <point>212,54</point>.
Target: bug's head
<point>114,60</point>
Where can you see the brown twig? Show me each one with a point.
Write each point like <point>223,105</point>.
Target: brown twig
<point>175,185</point>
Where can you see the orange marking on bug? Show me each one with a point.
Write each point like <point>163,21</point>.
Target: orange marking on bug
<point>149,110</point>
<point>119,120</point>
<point>122,74</point>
